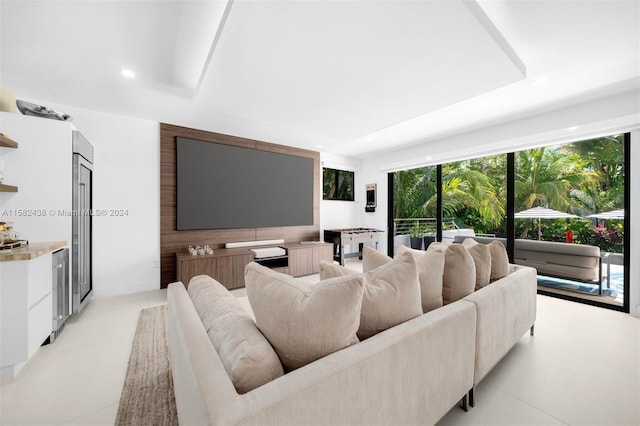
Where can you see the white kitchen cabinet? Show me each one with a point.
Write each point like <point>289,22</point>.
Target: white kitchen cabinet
<point>26,310</point>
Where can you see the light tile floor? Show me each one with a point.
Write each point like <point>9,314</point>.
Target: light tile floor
<point>581,368</point>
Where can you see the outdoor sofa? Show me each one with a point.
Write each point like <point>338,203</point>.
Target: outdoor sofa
<point>578,262</point>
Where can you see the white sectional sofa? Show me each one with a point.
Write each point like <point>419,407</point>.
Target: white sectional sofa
<point>411,373</point>
<point>505,310</point>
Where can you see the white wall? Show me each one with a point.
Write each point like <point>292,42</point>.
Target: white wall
<point>600,117</point>
<point>41,168</point>
<point>126,249</point>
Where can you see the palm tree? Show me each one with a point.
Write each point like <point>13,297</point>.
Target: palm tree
<point>465,189</point>
<point>548,176</point>
<point>411,189</point>
<point>605,157</point>
<point>545,177</point>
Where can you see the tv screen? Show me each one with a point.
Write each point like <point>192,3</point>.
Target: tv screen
<point>222,186</point>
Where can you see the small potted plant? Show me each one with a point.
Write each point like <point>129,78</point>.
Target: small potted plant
<point>429,236</point>
<point>415,235</point>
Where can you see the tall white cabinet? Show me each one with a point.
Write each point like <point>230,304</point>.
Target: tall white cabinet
<point>40,211</point>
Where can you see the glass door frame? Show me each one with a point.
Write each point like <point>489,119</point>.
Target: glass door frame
<point>510,218</point>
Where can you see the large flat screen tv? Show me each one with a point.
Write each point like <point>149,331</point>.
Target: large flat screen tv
<point>223,186</point>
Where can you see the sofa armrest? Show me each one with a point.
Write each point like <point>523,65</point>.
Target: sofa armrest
<point>412,373</point>
<point>506,310</point>
<point>195,365</point>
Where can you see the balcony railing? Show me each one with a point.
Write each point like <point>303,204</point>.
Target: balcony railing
<point>403,226</point>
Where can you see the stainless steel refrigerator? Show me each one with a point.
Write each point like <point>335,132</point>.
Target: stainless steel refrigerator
<point>81,253</point>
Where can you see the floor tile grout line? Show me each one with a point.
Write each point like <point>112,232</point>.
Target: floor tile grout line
<point>598,363</point>
<point>527,403</point>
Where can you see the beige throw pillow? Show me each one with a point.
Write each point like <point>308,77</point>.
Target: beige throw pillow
<point>438,246</point>
<point>459,278</point>
<point>499,260</point>
<point>430,270</point>
<point>391,293</point>
<point>304,322</point>
<point>372,258</point>
<point>481,259</point>
<point>247,356</point>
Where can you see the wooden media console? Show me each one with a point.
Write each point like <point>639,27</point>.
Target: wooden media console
<point>227,265</point>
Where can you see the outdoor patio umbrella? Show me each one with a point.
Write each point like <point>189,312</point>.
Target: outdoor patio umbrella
<point>542,213</point>
<point>613,214</point>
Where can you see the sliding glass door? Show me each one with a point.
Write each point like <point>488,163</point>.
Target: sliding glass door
<point>581,233</point>
<point>562,212</point>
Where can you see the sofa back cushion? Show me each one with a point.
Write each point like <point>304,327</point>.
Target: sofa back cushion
<point>438,245</point>
<point>459,278</point>
<point>391,293</point>
<point>430,270</point>
<point>247,356</point>
<point>481,259</point>
<point>500,267</point>
<point>372,258</point>
<point>304,322</point>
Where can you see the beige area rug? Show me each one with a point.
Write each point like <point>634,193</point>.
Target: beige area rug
<point>147,395</point>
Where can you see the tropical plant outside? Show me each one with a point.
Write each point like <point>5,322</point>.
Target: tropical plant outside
<point>580,178</point>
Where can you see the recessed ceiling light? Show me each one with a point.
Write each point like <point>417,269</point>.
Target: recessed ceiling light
<point>369,138</point>
<point>127,73</point>
<point>572,128</point>
<point>428,158</point>
<point>540,80</point>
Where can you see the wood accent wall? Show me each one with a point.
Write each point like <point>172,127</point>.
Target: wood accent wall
<point>173,241</point>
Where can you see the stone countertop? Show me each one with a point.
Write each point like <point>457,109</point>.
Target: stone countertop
<point>31,251</point>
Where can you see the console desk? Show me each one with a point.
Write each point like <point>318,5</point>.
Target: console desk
<point>227,265</point>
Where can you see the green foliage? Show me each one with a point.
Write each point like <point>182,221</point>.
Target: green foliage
<point>416,230</point>
<point>609,238</point>
<point>545,177</point>
<point>413,190</point>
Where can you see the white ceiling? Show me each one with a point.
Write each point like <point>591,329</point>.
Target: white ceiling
<point>348,77</point>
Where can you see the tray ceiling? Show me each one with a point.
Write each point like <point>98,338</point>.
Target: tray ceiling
<point>349,77</point>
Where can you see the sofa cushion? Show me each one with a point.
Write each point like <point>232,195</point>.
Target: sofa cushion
<point>391,293</point>
<point>430,270</point>
<point>558,248</point>
<point>438,245</point>
<point>459,278</point>
<point>481,259</point>
<point>302,321</point>
<point>247,356</point>
<point>499,260</point>
<point>372,258</point>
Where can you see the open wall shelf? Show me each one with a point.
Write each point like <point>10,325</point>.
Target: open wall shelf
<point>8,188</point>
<point>7,142</point>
